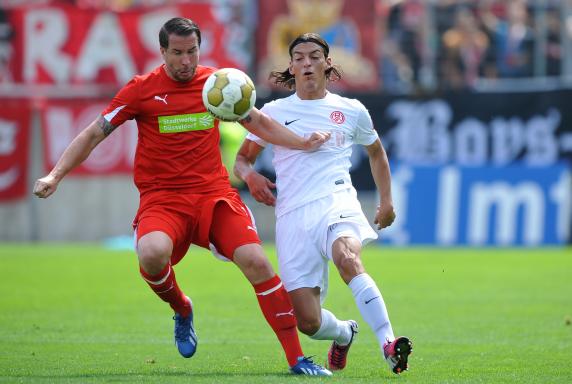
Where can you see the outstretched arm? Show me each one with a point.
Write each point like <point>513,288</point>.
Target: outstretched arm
<point>381,173</point>
<point>259,186</point>
<point>78,150</point>
<point>272,132</point>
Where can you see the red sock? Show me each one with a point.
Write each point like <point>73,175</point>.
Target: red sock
<point>165,286</point>
<point>277,309</point>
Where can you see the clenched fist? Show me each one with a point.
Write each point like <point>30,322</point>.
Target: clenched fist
<point>384,216</point>
<point>45,186</point>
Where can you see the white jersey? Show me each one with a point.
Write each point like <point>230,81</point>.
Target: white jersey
<point>303,176</point>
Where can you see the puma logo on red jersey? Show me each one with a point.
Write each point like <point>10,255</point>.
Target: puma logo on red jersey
<point>163,99</point>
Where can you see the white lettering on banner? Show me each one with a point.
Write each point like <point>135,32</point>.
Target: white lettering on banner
<point>471,142</point>
<point>207,37</point>
<point>507,139</point>
<point>149,25</point>
<point>482,206</point>
<point>8,178</point>
<point>60,131</point>
<point>448,206</point>
<point>541,139</point>
<point>117,149</point>
<point>537,137</point>
<point>560,194</point>
<point>506,199</point>
<point>110,152</point>
<point>46,31</point>
<point>422,135</point>
<point>65,45</point>
<point>8,131</point>
<point>105,47</point>
<point>566,142</point>
<point>397,232</point>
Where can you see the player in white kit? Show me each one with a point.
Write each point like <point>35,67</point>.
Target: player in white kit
<point>318,215</point>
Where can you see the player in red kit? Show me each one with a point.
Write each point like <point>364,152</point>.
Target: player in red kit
<point>185,194</point>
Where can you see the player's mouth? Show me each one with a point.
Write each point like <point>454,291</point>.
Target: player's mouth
<point>186,73</point>
<point>308,73</point>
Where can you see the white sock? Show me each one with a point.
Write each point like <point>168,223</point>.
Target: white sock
<point>333,329</point>
<point>372,307</point>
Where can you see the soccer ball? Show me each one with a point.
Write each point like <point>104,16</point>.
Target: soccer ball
<point>229,94</point>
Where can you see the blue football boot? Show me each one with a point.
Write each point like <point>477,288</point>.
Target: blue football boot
<point>185,336</point>
<point>305,366</point>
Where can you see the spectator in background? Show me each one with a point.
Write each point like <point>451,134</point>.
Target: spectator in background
<point>404,29</point>
<point>513,40</point>
<point>395,67</point>
<point>553,53</point>
<point>464,47</point>
<point>406,51</point>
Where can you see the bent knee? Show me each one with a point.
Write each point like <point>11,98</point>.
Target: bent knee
<point>350,264</point>
<point>154,251</point>
<point>309,326</point>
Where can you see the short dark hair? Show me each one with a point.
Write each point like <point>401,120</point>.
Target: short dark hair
<point>179,26</point>
<point>286,79</point>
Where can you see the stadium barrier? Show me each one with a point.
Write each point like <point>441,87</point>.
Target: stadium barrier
<point>468,169</point>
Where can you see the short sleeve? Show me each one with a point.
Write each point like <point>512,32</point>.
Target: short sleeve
<point>124,106</point>
<point>365,132</point>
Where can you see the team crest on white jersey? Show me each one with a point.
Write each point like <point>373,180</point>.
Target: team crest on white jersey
<point>337,117</point>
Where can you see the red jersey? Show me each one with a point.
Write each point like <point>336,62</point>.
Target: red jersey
<point>178,140</point>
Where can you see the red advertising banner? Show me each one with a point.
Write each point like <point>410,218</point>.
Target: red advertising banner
<point>348,26</point>
<point>61,44</point>
<point>14,148</point>
<point>63,120</point>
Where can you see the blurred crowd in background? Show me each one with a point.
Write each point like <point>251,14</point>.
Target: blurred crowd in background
<point>452,44</point>
<point>429,45</point>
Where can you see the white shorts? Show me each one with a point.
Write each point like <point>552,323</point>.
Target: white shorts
<point>304,238</point>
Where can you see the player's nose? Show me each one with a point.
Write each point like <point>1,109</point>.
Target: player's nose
<point>185,60</point>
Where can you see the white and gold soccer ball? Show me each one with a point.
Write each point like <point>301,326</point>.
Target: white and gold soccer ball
<point>229,94</point>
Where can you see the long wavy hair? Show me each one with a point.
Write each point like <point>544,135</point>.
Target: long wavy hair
<point>286,79</point>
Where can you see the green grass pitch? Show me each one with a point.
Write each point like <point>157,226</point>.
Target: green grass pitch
<point>81,313</point>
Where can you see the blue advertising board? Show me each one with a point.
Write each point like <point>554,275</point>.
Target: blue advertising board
<point>477,169</point>
<point>516,205</point>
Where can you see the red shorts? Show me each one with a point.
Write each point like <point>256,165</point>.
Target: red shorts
<point>222,220</point>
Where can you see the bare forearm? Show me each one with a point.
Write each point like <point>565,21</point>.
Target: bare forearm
<point>242,167</point>
<point>80,148</point>
<point>271,131</point>
<point>74,155</point>
<point>381,175</point>
<point>382,178</point>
